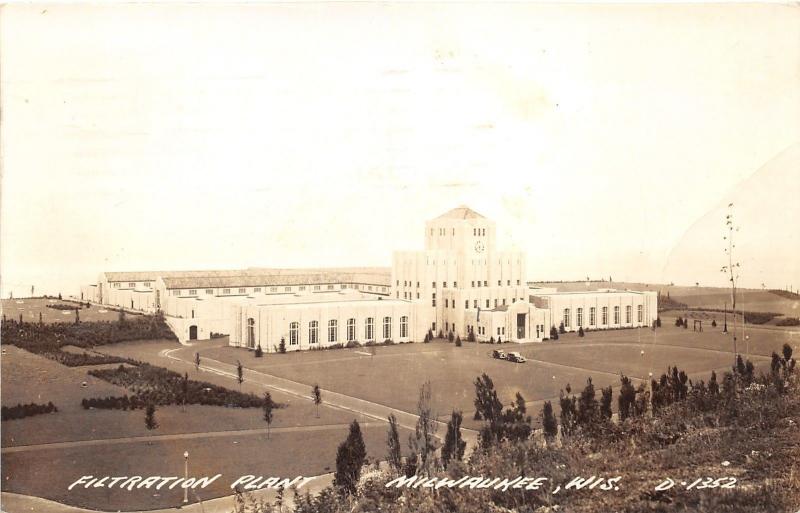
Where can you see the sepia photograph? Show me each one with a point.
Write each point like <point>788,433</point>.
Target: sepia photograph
<point>400,257</point>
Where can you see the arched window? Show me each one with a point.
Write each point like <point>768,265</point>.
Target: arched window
<point>369,329</point>
<point>351,330</point>
<point>294,333</point>
<point>251,332</point>
<point>579,317</point>
<point>403,326</point>
<point>333,329</point>
<point>387,328</point>
<point>313,332</point>
<point>566,317</point>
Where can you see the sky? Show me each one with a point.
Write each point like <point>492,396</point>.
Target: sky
<point>603,140</point>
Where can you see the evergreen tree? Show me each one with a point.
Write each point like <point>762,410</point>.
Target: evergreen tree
<point>569,413</point>
<point>454,445</point>
<point>349,459</point>
<point>549,422</point>
<point>394,457</point>
<point>561,328</point>
<point>553,333</point>
<point>259,352</point>
<point>150,421</point>
<point>423,441</point>
<point>197,361</point>
<point>516,422</point>
<point>626,399</point>
<point>580,331</point>
<point>282,345</point>
<point>605,403</point>
<point>458,341</point>
<point>587,406</point>
<point>679,322</point>
<point>450,336</point>
<point>658,322</point>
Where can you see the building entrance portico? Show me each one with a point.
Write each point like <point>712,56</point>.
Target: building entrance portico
<point>521,321</point>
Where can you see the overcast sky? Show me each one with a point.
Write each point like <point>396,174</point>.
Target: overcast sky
<point>142,137</point>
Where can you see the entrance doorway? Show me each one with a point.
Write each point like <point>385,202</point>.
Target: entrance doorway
<point>192,332</point>
<point>521,326</point>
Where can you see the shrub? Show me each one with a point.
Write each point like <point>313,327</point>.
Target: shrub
<point>553,333</point>
<point>788,321</point>
<point>491,340</point>
<point>64,306</point>
<point>561,328</point>
<point>259,352</point>
<point>713,323</point>
<point>352,343</point>
<point>458,341</point>
<point>580,331</point>
<point>450,337</point>
<point>282,346</point>
<point>678,322</point>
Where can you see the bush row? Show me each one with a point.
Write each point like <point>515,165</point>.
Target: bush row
<point>788,321</point>
<point>64,306</point>
<point>21,411</point>
<point>161,386</point>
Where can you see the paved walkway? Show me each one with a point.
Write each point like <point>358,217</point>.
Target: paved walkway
<point>179,436</point>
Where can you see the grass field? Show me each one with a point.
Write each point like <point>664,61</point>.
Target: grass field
<point>30,308</point>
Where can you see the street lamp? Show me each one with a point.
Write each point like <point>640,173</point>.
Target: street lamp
<point>185,476</point>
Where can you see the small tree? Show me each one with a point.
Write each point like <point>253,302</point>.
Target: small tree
<point>553,333</point>
<point>587,406</point>
<point>491,339</point>
<point>679,322</point>
<point>77,316</point>
<point>658,322</point>
<point>393,444</point>
<point>580,331</point>
<point>282,345</point>
<point>185,389</point>
<point>239,374</point>
<point>471,336</point>
<point>549,422</point>
<point>569,413</point>
<point>561,328</point>
<point>259,352</point>
<point>197,361</point>
<point>713,323</point>
<point>427,338</point>
<point>316,394</point>
<point>458,341</point>
<point>150,421</point>
<point>454,445</point>
<point>450,336</point>
<point>349,459</point>
<point>626,399</point>
<point>267,408</point>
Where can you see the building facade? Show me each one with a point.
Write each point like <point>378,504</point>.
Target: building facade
<point>460,283</point>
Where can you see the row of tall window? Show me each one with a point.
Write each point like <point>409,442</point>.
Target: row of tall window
<point>333,330</point>
<point>299,288</point>
<point>604,316</point>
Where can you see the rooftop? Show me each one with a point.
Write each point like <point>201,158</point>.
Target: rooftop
<point>462,212</point>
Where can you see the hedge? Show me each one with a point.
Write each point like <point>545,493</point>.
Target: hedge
<point>20,411</point>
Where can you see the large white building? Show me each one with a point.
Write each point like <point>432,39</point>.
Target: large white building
<point>460,283</point>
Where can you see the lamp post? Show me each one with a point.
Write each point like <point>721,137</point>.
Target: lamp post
<point>185,476</point>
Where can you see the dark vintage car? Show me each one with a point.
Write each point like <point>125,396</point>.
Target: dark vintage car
<point>500,355</point>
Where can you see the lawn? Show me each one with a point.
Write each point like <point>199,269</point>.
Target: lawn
<point>283,455</point>
<point>27,377</point>
<point>30,308</point>
<point>393,376</point>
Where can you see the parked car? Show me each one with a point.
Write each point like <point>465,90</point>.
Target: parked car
<point>500,355</point>
<point>515,357</point>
